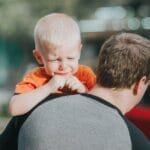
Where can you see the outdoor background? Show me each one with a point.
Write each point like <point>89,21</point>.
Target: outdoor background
<point>98,19</point>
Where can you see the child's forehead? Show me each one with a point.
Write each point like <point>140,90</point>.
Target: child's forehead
<point>63,52</point>
<point>56,48</point>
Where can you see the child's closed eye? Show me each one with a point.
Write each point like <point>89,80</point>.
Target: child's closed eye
<point>71,58</point>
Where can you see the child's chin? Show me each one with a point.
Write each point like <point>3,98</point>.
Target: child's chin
<point>62,74</point>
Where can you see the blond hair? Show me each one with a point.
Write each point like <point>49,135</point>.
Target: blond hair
<point>56,29</point>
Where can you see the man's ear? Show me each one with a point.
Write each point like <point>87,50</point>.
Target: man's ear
<point>140,86</point>
<point>38,56</point>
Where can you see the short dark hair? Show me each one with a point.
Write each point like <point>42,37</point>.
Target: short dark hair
<point>124,59</point>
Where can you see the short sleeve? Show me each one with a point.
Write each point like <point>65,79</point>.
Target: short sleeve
<point>32,80</point>
<point>86,75</point>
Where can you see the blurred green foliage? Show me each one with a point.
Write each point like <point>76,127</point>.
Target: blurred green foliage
<point>18,17</point>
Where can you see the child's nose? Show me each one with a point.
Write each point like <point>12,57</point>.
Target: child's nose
<point>62,65</point>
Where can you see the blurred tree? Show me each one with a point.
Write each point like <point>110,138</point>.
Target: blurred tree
<point>18,17</point>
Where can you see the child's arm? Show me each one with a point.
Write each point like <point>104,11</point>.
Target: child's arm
<point>22,103</point>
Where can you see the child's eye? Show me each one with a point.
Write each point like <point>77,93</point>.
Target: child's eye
<point>55,60</point>
<point>71,58</point>
<point>52,60</point>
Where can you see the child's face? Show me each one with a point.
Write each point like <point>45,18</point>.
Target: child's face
<point>62,60</point>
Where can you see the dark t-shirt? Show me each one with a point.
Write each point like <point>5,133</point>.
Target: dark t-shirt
<point>81,121</point>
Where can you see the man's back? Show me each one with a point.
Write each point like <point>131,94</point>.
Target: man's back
<point>79,122</point>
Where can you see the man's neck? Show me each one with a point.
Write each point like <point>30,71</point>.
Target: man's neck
<point>121,98</point>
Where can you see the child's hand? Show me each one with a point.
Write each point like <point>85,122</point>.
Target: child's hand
<point>75,85</point>
<point>57,82</point>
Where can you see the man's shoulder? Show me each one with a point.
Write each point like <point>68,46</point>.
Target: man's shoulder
<point>77,118</point>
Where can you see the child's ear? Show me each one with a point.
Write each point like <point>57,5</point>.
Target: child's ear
<point>37,56</point>
<point>80,47</point>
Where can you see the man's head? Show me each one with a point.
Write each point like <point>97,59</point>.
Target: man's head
<point>124,61</point>
<point>57,43</point>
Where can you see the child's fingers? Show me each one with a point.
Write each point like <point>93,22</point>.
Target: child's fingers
<point>58,82</point>
<point>75,85</point>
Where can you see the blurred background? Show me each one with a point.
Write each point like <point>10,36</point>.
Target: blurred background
<point>97,20</point>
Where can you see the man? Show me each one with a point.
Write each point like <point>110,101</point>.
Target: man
<point>94,120</point>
